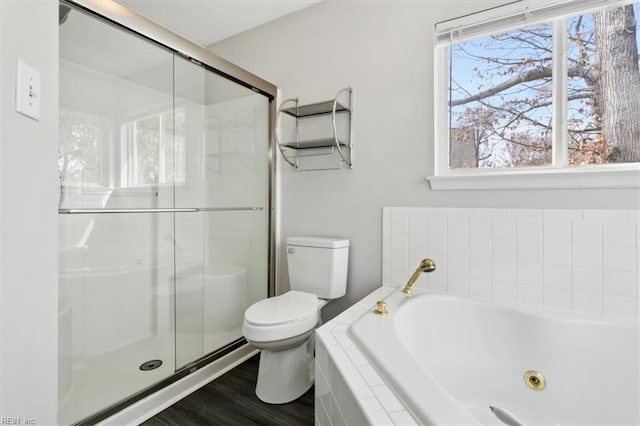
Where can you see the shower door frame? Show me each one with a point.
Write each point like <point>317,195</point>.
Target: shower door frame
<point>117,15</point>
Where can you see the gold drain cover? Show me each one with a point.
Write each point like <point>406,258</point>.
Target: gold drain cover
<point>535,380</point>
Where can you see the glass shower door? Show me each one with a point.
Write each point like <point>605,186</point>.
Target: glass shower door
<point>117,248</point>
<point>226,129</point>
<point>164,213</point>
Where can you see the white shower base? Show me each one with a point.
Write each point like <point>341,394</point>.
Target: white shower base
<point>110,377</point>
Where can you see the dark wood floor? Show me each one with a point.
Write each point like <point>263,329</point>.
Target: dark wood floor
<point>231,400</point>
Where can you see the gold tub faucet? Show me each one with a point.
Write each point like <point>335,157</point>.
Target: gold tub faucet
<point>427,265</point>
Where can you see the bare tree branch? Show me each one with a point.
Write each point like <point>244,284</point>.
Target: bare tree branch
<point>531,75</point>
<point>526,145</point>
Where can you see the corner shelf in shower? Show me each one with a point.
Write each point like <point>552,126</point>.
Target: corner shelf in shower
<point>338,151</point>
<point>224,154</point>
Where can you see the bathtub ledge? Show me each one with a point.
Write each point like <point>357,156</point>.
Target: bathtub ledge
<point>349,391</point>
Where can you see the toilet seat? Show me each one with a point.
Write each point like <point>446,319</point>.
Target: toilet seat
<point>281,317</point>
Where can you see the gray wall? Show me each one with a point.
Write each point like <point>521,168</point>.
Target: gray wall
<point>384,50</point>
<point>28,217</point>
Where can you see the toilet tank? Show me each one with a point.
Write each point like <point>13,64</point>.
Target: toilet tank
<point>318,265</point>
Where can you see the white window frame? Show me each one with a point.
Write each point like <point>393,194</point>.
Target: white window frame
<point>556,175</point>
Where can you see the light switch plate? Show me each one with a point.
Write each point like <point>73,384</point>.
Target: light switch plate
<point>27,90</point>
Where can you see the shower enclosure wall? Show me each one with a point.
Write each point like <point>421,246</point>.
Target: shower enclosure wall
<point>165,213</point>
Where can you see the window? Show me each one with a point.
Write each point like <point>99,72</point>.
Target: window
<point>152,152</point>
<point>551,90</point>
<point>83,148</point>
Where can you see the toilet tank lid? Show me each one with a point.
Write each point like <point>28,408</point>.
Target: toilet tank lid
<point>318,242</point>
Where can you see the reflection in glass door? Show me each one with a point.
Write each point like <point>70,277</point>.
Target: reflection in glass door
<point>226,128</point>
<point>164,224</point>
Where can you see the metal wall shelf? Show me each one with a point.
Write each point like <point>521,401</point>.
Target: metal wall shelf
<point>334,151</point>
<point>319,108</point>
<point>313,143</point>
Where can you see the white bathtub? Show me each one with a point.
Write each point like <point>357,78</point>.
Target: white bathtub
<point>449,359</point>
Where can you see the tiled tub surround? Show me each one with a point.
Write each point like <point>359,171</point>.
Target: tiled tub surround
<point>348,389</point>
<point>582,260</point>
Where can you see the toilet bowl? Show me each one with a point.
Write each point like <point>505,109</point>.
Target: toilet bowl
<point>282,327</point>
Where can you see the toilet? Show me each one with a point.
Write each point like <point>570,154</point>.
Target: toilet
<point>283,326</point>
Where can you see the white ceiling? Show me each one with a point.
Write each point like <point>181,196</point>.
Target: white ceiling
<point>207,21</point>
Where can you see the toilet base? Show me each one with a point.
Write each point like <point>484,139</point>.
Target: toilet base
<point>285,376</point>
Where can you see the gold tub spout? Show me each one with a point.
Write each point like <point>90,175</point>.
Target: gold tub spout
<point>427,265</point>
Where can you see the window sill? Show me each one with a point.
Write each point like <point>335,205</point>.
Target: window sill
<point>629,177</point>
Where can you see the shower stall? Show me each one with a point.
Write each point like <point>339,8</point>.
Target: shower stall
<point>165,216</point>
